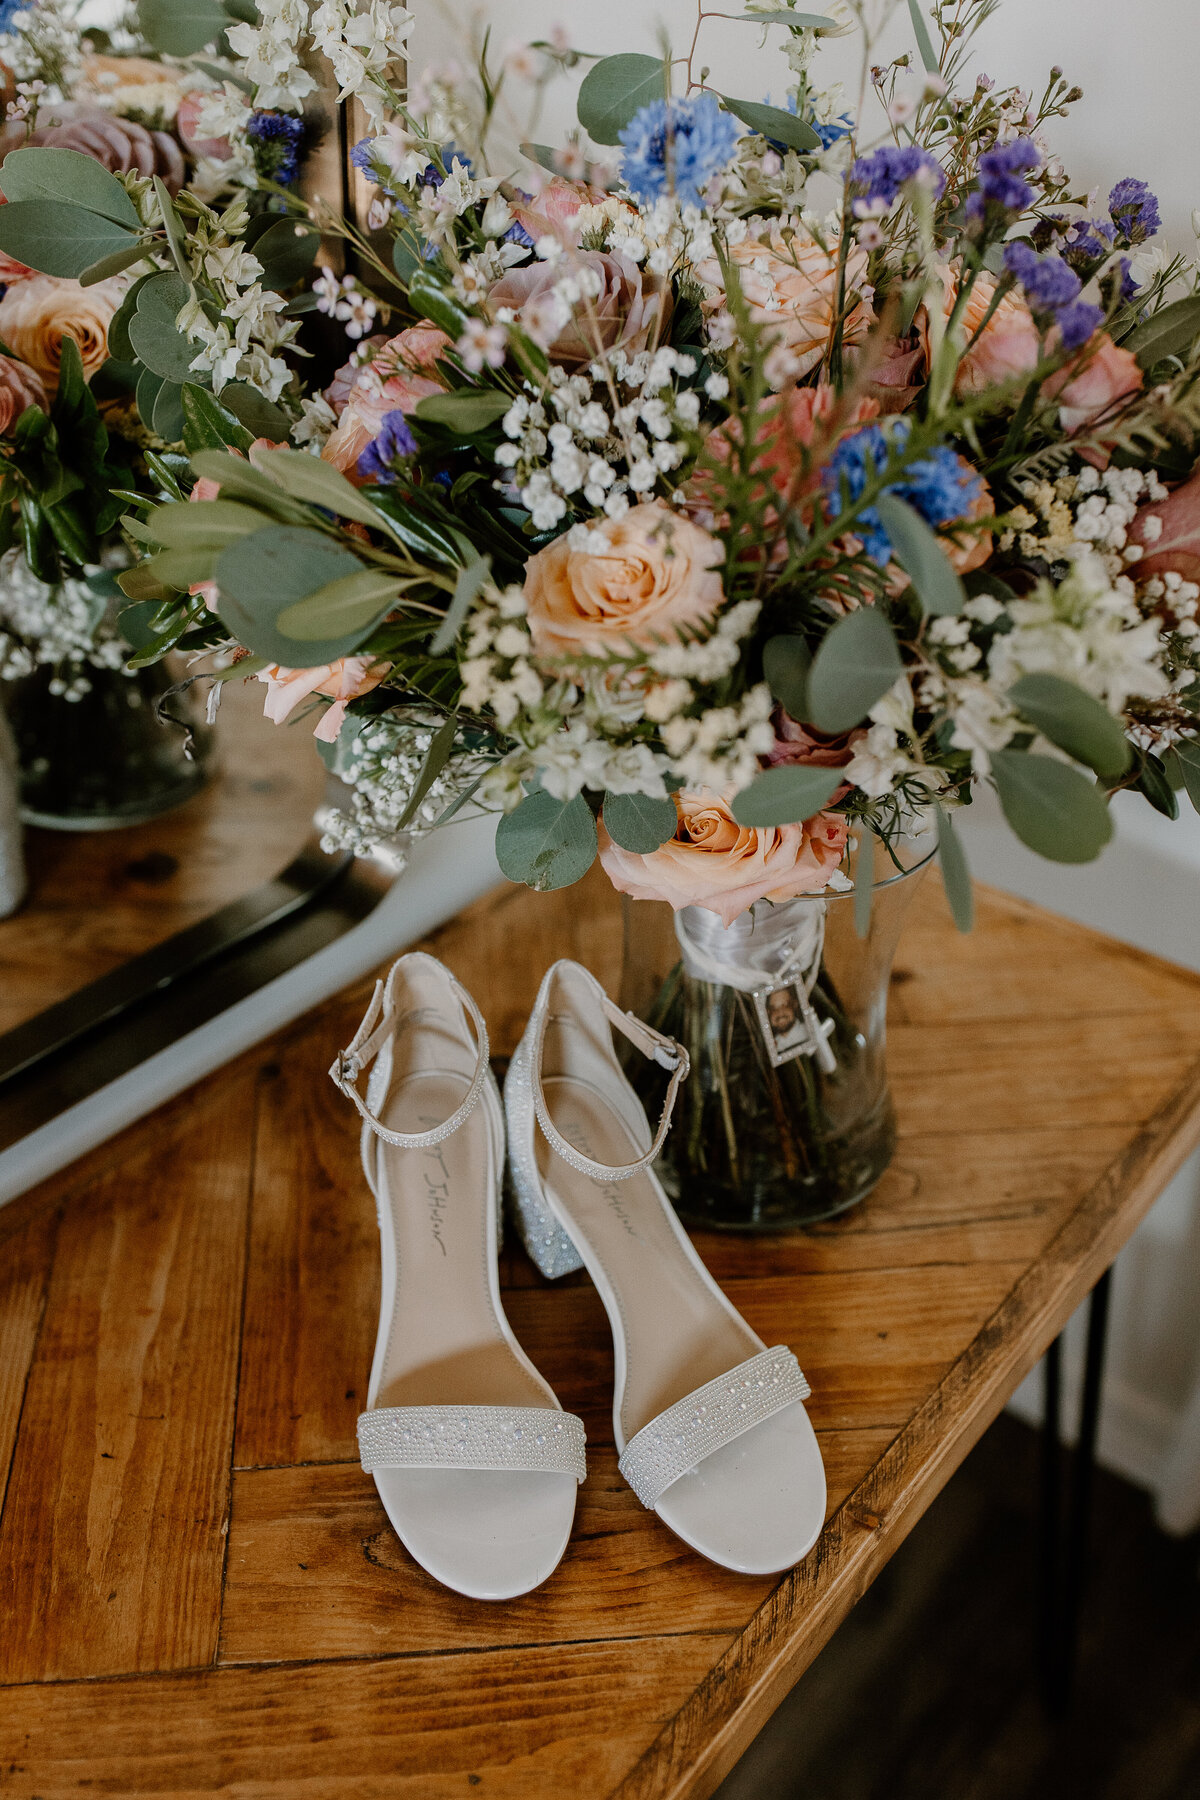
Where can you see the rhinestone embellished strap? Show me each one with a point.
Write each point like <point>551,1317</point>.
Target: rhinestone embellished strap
<point>705,1421</point>
<point>538,1438</point>
<point>377,1027</point>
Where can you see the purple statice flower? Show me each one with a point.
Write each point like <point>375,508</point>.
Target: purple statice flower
<point>937,486</point>
<point>276,139</point>
<point>878,178</point>
<point>1134,211</point>
<point>676,147</point>
<point>1077,322</point>
<point>393,441</point>
<point>1049,283</point>
<point>1001,178</point>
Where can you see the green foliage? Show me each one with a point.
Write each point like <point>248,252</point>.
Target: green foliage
<point>430,300</point>
<point>436,757</point>
<point>921,555</point>
<point>772,122</point>
<point>47,174</point>
<point>264,575</point>
<point>614,89</point>
<point>1187,760</point>
<point>547,843</point>
<point>785,795</point>
<point>1074,721</point>
<point>468,410</point>
<point>181,27</point>
<point>1169,332</point>
<point>352,604</point>
<point>638,822</point>
<point>157,341</point>
<point>207,425</point>
<point>1052,807</point>
<point>924,41</point>
<point>58,238</point>
<point>855,666</point>
<point>287,251</point>
<point>308,478</point>
<point>1152,781</point>
<point>787,664</point>
<point>956,877</point>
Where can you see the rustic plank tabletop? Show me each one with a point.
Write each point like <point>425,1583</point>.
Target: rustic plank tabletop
<point>199,1592</point>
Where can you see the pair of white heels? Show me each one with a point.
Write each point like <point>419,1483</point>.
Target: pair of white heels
<point>475,1461</point>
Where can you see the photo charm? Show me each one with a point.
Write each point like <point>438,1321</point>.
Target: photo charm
<point>791,1028</point>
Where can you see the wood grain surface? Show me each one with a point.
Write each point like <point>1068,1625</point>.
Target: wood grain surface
<point>199,1591</point>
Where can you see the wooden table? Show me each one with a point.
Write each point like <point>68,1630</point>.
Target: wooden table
<point>200,1593</point>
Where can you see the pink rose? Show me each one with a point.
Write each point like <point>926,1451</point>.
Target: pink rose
<point>402,373</point>
<point>552,212</point>
<point>804,744</point>
<point>342,681</point>
<point>20,386</point>
<point>898,377</point>
<point>658,572</point>
<point>790,285</point>
<point>1090,387</point>
<point>1173,547</point>
<point>186,120</point>
<point>714,862</point>
<point>1007,347</point>
<point>631,309</point>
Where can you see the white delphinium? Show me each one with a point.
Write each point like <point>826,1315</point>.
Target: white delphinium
<point>270,54</point>
<point>359,46</point>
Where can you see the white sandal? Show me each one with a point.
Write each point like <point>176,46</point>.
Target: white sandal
<point>708,1421</point>
<point>476,1463</point>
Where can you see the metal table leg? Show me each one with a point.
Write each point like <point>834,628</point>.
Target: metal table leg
<point>1064,1535</point>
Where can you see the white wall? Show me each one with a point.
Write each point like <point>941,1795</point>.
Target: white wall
<point>1139,116</point>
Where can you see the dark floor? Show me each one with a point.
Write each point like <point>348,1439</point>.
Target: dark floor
<point>927,1691</point>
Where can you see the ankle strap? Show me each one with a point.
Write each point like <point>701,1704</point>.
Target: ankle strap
<point>653,1044</point>
<point>377,1028</point>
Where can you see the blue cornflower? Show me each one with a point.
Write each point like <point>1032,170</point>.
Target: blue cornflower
<point>277,139</point>
<point>1077,323</point>
<point>938,486</point>
<point>1134,210</point>
<point>879,177</point>
<point>517,234</point>
<point>393,441</point>
<point>1001,177</point>
<point>431,175</point>
<point>836,129</point>
<point>676,147</point>
<point>1047,280</point>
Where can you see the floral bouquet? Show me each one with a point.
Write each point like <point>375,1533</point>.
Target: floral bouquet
<point>725,490</point>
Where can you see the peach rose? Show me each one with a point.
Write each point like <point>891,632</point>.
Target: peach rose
<point>1091,386</point>
<point>403,372</point>
<point>1008,346</point>
<point>36,315</point>
<point>714,862</point>
<point>20,387</point>
<point>343,681</point>
<point>790,284</point>
<point>658,572</point>
<point>1174,546</point>
<point>970,549</point>
<point>631,309</point>
<point>790,425</point>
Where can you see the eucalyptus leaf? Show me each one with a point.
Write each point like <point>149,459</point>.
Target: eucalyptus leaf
<point>436,758</point>
<point>146,393</point>
<point>541,154</point>
<point>207,425</point>
<point>639,822</point>
<point>266,574</point>
<point>56,238</point>
<point>354,602</point>
<point>800,20</point>
<point>181,27</point>
<point>787,664</point>
<point>260,416</point>
<point>113,265</point>
<point>1169,332</point>
<point>1075,721</point>
<point>616,88</point>
<point>855,666</point>
<point>119,345</point>
<point>167,413</point>
<point>1052,807</point>
<point>133,622</point>
<point>139,583</point>
<point>774,123</point>
<point>956,877</point>
<point>431,300</point>
<point>47,173</point>
<point>1187,755</point>
<point>919,552</point>
<point>179,568</point>
<point>785,795</point>
<point>241,480</point>
<point>205,523</point>
<point>547,843</point>
<point>309,478</point>
<point>1152,781</point>
<point>157,341</point>
<point>287,251</point>
<point>468,585</point>
<point>924,41</point>
<point>468,410</point>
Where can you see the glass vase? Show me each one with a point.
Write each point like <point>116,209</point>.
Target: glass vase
<point>786,1117</point>
<point>102,758</point>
